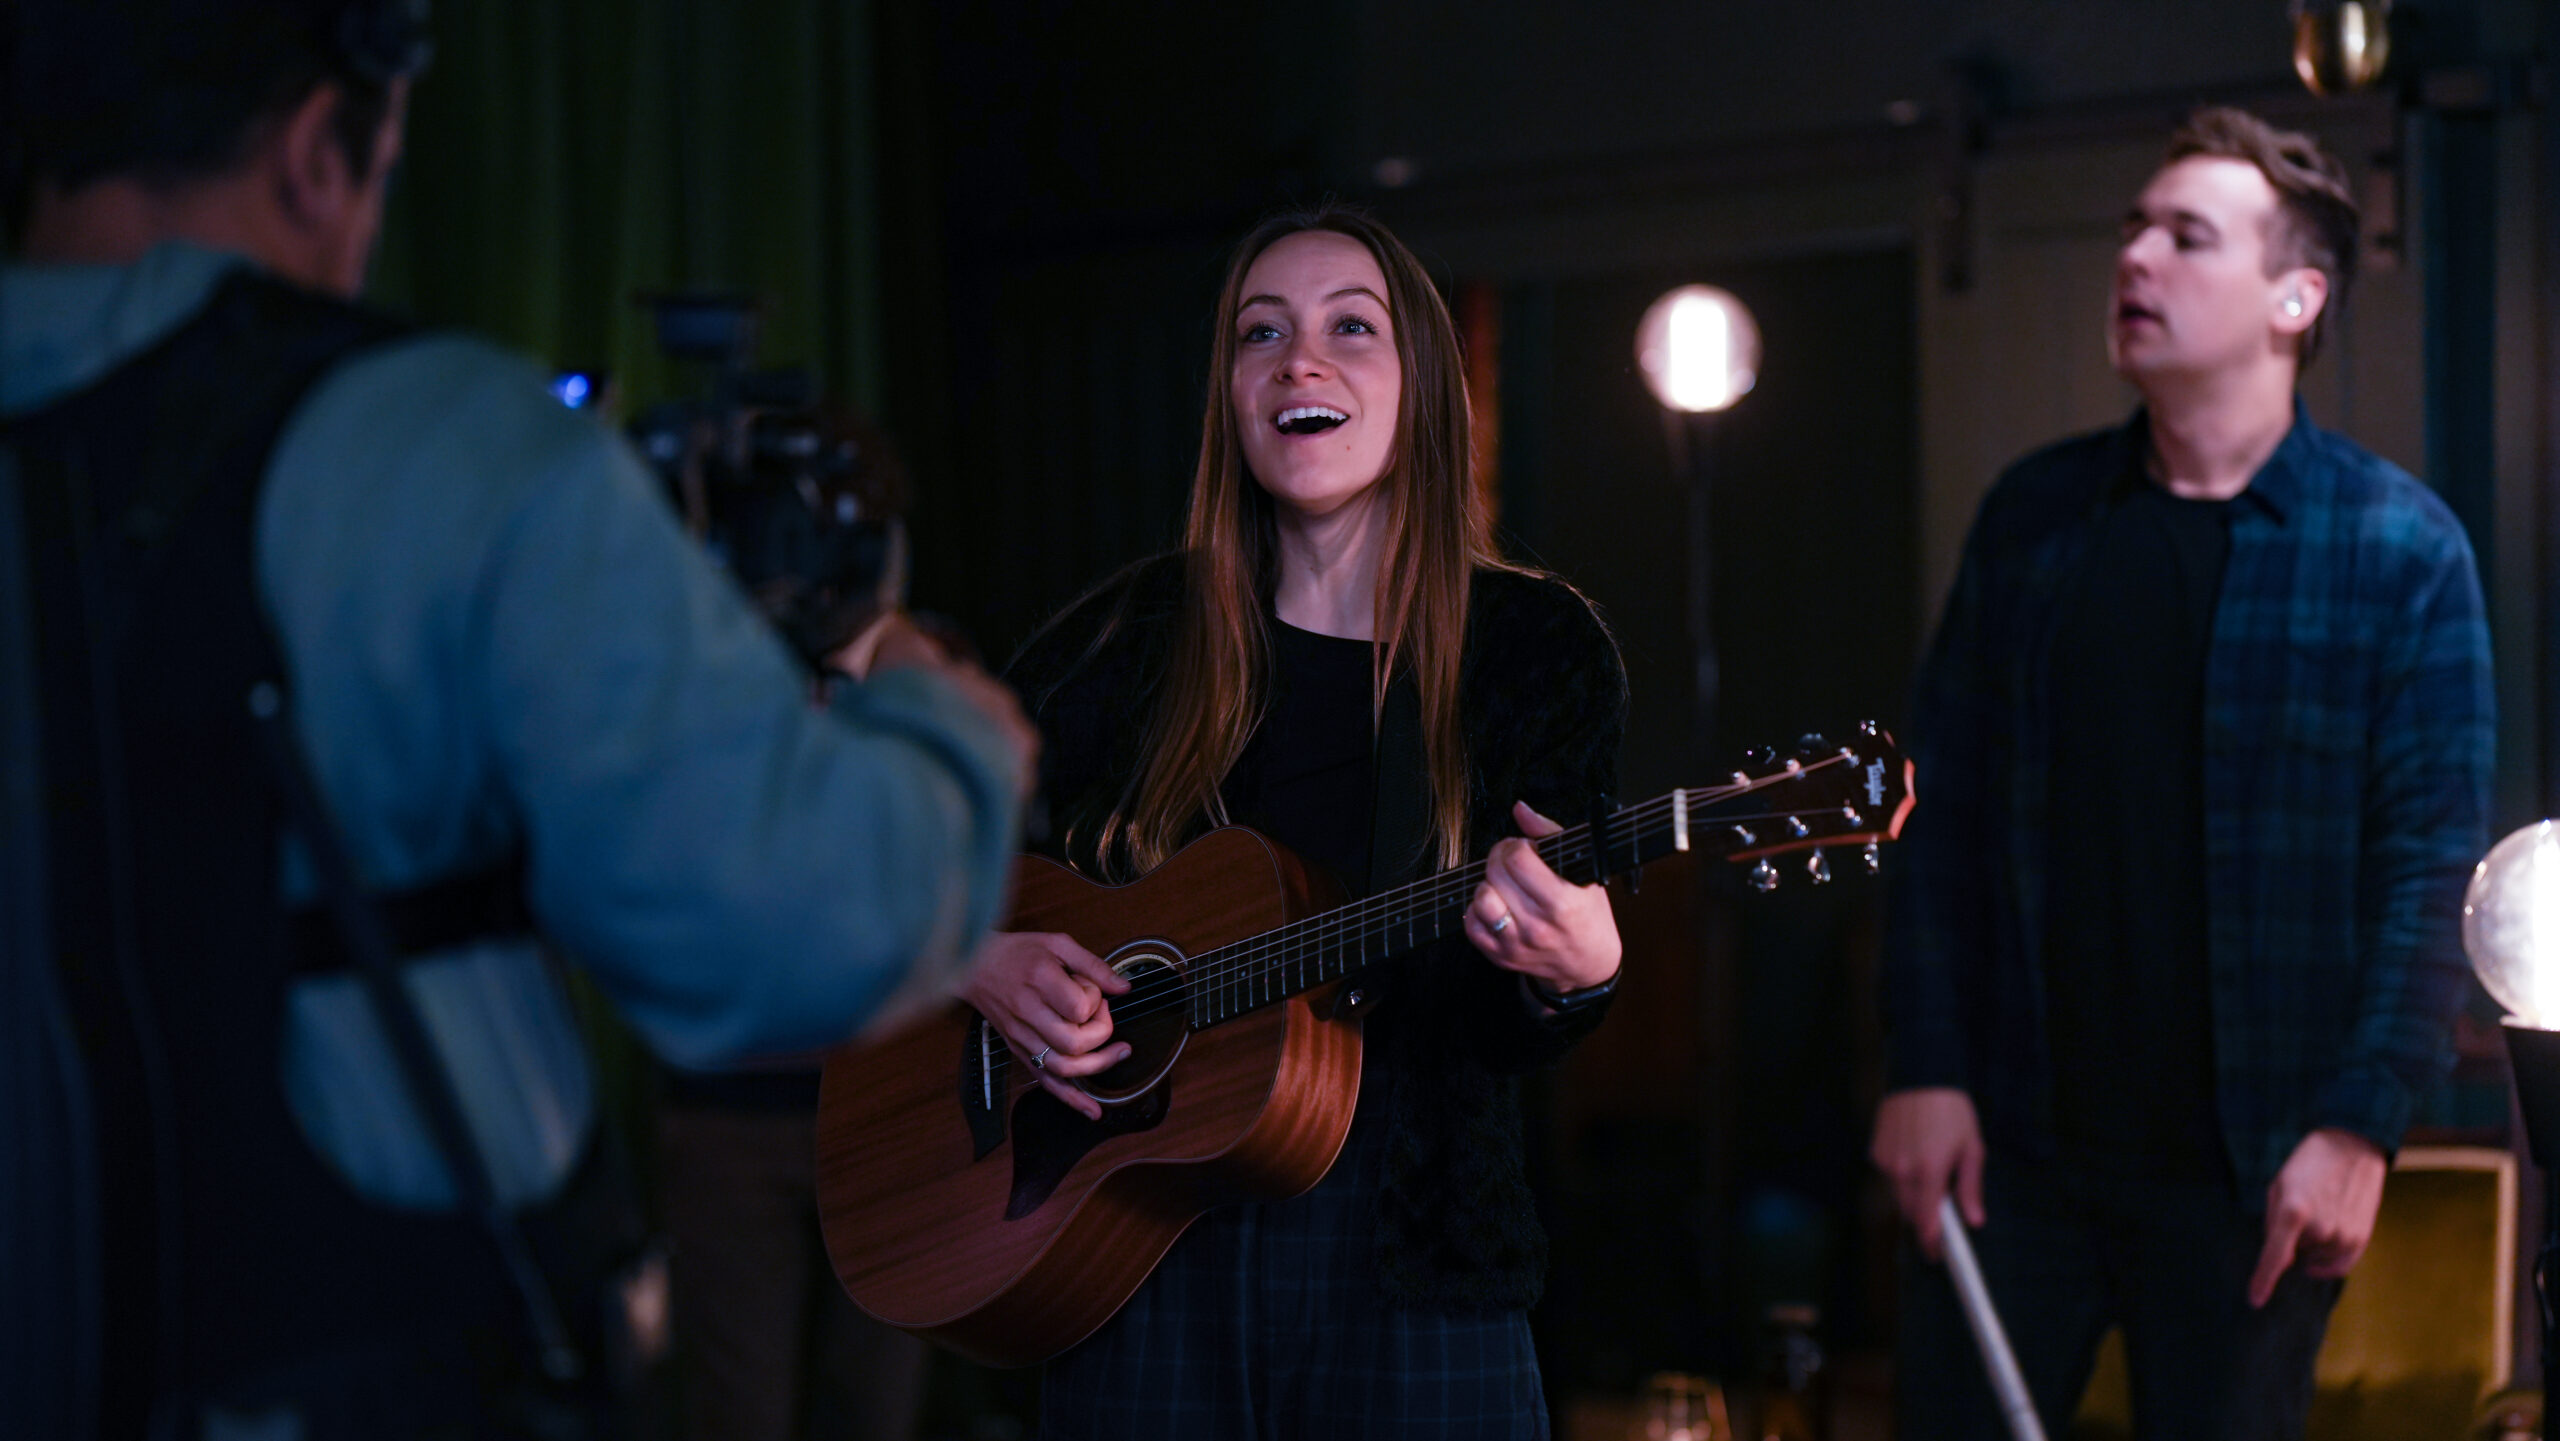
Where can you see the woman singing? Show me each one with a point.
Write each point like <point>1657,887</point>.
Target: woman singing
<point>1337,658</point>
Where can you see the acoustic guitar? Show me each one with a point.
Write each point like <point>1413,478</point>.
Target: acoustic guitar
<point>963,1202</point>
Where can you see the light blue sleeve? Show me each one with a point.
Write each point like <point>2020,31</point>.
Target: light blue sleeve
<point>497,633</point>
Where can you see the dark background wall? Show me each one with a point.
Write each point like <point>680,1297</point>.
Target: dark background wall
<point>1920,201</point>
<point>999,225</point>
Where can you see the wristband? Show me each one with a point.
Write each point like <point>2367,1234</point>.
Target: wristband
<point>1563,1002</point>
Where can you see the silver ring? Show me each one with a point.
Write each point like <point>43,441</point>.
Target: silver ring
<point>1040,1062</point>
<point>1500,923</point>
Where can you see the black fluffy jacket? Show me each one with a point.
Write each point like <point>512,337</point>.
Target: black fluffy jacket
<point>1543,705</point>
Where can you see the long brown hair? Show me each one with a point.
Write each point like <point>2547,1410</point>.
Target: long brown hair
<point>1437,531</point>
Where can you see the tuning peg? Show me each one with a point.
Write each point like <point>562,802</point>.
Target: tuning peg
<point>1875,862</point>
<point>1796,827</point>
<point>1764,876</point>
<point>1819,868</point>
<point>1870,729</point>
<point>1760,757</point>
<point>1743,839</point>
<point>1811,743</point>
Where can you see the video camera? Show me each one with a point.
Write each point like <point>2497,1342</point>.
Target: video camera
<point>798,498</point>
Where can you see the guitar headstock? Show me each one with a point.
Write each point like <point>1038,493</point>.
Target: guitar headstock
<point>1821,793</point>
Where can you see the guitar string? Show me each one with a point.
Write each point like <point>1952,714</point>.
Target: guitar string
<point>1200,977</point>
<point>1426,901</point>
<point>1221,966</point>
<point>1265,957</point>
<point>1218,967</point>
<point>1251,958</point>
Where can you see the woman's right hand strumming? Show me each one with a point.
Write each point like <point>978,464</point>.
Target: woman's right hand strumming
<point>1044,994</point>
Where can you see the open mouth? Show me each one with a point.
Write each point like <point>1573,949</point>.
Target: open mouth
<point>1308,419</point>
<point>2129,311</point>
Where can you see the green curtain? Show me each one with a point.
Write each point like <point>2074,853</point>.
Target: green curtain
<point>565,156</point>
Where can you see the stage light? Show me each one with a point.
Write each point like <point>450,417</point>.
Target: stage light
<point>1699,349</point>
<point>2511,930</point>
<point>2511,924</point>
<point>2341,45</point>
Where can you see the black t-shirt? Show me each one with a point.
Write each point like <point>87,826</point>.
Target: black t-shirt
<point>1307,778</point>
<point>2128,998</point>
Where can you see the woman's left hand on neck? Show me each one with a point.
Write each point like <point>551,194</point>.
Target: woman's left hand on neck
<point>1524,917</point>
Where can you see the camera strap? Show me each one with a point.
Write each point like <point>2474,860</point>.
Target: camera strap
<point>422,1069</point>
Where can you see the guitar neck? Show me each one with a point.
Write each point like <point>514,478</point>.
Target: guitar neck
<point>1281,963</point>
<point>1824,796</point>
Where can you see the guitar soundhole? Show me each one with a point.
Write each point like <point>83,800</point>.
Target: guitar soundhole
<point>1153,1018</point>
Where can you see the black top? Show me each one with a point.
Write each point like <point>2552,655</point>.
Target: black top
<point>2128,993</point>
<point>1306,779</point>
<point>1542,703</point>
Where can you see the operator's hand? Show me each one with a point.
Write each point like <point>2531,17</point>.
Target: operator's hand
<point>2320,1209</point>
<point>1044,993</point>
<point>895,641</point>
<point>1528,919</point>
<point>890,638</point>
<point>1927,1138</point>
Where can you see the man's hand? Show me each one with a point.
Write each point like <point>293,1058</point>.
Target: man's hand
<point>1926,1138</point>
<point>895,641</point>
<point>2320,1209</point>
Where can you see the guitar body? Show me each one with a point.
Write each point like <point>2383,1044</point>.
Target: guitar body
<point>962,1202</point>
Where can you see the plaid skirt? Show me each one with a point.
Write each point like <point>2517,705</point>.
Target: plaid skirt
<point>1265,1322</point>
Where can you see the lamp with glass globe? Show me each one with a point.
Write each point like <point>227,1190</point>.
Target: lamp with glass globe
<point>1699,351</point>
<point>2511,930</point>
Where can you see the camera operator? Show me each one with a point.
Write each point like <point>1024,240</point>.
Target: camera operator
<point>245,524</point>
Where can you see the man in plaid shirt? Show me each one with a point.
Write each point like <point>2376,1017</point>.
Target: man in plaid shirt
<point>2205,737</point>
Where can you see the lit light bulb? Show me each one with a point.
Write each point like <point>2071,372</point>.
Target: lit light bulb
<point>2511,924</point>
<point>2341,45</point>
<point>1699,349</point>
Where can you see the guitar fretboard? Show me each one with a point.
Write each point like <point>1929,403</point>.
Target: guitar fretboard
<point>1824,797</point>
<point>1260,970</point>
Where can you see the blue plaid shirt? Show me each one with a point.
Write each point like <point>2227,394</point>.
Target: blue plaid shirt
<point>2348,737</point>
